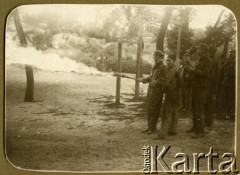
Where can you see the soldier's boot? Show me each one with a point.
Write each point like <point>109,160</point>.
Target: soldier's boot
<point>192,130</point>
<point>145,131</point>
<point>151,132</point>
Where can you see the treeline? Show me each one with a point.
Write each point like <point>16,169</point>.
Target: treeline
<point>128,65</point>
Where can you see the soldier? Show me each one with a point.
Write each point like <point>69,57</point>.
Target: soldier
<point>200,86</point>
<point>229,85</point>
<point>155,93</point>
<point>186,77</point>
<point>209,108</point>
<point>171,101</point>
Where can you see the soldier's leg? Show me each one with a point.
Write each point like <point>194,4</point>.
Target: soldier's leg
<point>232,102</point>
<point>194,111</point>
<point>201,103</point>
<point>156,104</point>
<point>227,103</point>
<point>174,121</point>
<point>148,108</point>
<point>224,101</point>
<point>209,109</point>
<point>183,98</point>
<point>189,98</point>
<point>166,120</point>
<point>148,119</point>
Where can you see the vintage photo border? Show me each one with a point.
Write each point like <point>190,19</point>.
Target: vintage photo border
<point>8,5</point>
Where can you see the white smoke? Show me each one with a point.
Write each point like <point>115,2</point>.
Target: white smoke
<point>14,54</point>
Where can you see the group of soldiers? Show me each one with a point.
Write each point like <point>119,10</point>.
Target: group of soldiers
<point>193,84</point>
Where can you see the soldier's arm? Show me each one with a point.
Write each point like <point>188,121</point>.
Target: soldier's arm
<point>145,80</point>
<point>158,82</point>
<point>179,82</point>
<point>205,72</point>
<point>148,79</point>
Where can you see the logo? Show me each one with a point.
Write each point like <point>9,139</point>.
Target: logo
<point>155,161</point>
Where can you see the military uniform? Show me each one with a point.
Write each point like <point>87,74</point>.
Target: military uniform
<point>186,89</point>
<point>186,78</point>
<point>209,108</point>
<point>229,89</point>
<point>171,103</point>
<point>200,88</point>
<point>155,94</point>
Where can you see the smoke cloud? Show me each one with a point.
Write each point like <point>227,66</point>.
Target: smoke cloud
<point>43,59</point>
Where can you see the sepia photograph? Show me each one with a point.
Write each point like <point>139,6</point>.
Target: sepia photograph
<point>121,88</point>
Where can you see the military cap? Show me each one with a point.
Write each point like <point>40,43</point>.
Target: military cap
<point>203,46</point>
<point>212,49</point>
<point>172,56</point>
<point>158,53</point>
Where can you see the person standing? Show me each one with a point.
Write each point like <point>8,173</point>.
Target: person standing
<point>209,108</point>
<point>229,85</point>
<point>186,84</point>
<point>155,93</point>
<point>171,89</point>
<point>201,76</point>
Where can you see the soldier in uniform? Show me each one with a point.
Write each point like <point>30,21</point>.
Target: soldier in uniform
<point>189,59</point>
<point>186,78</point>
<point>200,86</point>
<point>171,89</point>
<point>209,108</point>
<point>155,93</point>
<point>229,85</point>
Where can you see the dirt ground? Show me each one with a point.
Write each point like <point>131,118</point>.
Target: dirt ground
<point>75,126</point>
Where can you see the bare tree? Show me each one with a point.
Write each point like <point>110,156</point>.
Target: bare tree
<point>29,97</point>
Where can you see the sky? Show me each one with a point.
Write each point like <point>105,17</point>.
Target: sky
<point>203,14</point>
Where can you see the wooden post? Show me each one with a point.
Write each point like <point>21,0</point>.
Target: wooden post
<point>178,46</point>
<point>178,57</point>
<point>139,56</point>
<point>118,84</point>
<point>30,84</point>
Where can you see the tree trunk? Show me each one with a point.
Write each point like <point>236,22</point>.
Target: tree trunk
<point>185,42</point>
<point>218,20</point>
<point>163,29</point>
<point>209,39</point>
<point>19,28</point>
<point>29,97</point>
<point>139,55</point>
<point>185,16</point>
<point>226,41</point>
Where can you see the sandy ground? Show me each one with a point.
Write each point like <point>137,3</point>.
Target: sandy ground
<point>75,126</point>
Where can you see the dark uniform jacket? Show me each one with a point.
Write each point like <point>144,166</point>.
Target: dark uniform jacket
<point>229,74</point>
<point>202,73</point>
<point>157,76</point>
<point>171,87</point>
<point>214,74</point>
<point>186,78</point>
